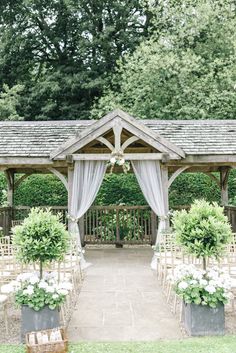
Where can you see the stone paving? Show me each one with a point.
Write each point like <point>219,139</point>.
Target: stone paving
<point>121,300</point>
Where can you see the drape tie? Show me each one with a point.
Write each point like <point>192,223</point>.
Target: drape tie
<point>163,218</point>
<point>73,219</point>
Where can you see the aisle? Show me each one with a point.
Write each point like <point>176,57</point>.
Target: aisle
<point>121,300</point>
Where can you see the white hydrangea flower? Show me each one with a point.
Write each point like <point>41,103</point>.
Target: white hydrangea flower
<point>121,161</point>
<point>29,290</point>
<point>210,289</point>
<point>62,291</point>
<point>183,285</point>
<point>113,160</point>
<point>198,275</point>
<point>34,279</point>
<point>55,296</point>
<point>42,284</point>
<point>203,282</point>
<point>50,289</point>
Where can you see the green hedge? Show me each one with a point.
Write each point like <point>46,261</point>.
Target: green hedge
<point>119,189</point>
<point>39,190</point>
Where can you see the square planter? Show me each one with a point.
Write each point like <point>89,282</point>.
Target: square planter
<point>201,320</point>
<point>43,319</point>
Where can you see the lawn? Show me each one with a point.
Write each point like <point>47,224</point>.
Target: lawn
<point>225,344</point>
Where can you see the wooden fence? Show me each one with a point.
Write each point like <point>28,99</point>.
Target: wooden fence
<point>107,224</point>
<point>101,224</point>
<point>120,224</point>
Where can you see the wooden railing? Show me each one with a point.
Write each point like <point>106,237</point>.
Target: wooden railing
<point>120,224</point>
<point>107,224</point>
<point>21,212</point>
<point>101,224</point>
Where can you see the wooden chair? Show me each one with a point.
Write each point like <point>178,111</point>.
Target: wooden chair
<point>17,222</point>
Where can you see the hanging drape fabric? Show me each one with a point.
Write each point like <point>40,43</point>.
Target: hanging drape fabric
<point>87,179</point>
<point>148,174</point>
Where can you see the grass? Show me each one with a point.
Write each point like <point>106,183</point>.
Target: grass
<point>226,344</point>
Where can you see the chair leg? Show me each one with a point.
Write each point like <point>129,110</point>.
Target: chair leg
<point>62,312</point>
<point>181,311</point>
<point>175,304</point>
<point>232,303</point>
<point>5,313</point>
<point>169,292</point>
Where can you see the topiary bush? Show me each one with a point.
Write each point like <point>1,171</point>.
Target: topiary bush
<point>41,238</point>
<point>203,230</point>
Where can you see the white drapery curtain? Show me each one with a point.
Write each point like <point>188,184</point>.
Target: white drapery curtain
<point>148,174</point>
<point>87,179</point>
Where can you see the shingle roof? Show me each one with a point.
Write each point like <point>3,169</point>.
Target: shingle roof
<point>40,138</point>
<point>198,137</point>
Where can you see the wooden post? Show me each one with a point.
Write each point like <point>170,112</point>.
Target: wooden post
<point>118,243</point>
<point>165,184</point>
<point>224,175</point>
<point>153,227</point>
<point>81,230</point>
<point>70,185</point>
<point>10,187</point>
<point>10,195</point>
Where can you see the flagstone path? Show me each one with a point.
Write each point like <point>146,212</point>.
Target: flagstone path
<point>121,299</point>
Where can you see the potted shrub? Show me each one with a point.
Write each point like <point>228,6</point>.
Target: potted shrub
<point>204,294</point>
<point>39,298</point>
<point>41,239</point>
<point>203,231</point>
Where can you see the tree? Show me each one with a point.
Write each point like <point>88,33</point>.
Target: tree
<point>64,51</point>
<point>186,70</point>
<point>41,238</point>
<point>9,102</point>
<point>203,231</point>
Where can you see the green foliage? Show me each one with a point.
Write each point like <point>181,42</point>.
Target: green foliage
<point>186,70</point>
<point>9,102</point>
<point>47,190</point>
<point>41,190</point>
<point>41,237</point>
<point>204,230</point>
<point>118,189</point>
<point>190,186</point>
<point>64,51</point>
<point>2,189</point>
<point>129,227</point>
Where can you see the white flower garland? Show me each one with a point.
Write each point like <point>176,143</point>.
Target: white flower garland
<point>118,158</point>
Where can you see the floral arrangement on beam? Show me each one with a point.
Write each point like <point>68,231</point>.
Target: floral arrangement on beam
<point>118,158</point>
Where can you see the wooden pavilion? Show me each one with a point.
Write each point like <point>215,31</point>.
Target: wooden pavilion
<point>207,146</point>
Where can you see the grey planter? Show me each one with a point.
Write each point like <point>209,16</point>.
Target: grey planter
<point>43,319</point>
<point>200,320</point>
